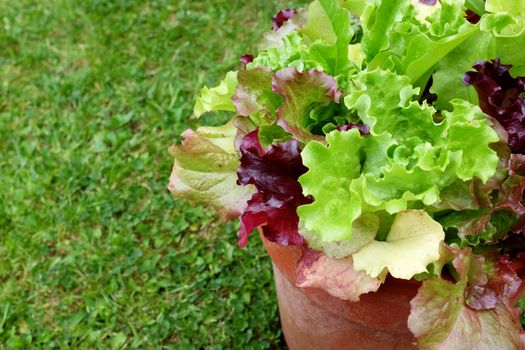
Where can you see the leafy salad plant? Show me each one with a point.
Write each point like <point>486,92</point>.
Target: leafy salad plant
<point>390,136</point>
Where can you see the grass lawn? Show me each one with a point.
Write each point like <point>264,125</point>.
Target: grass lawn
<point>94,252</point>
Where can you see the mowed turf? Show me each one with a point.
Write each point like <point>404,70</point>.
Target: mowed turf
<point>94,252</point>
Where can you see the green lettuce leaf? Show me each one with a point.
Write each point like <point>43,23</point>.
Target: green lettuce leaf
<point>423,52</point>
<point>356,7</point>
<point>469,133</point>
<point>505,18</point>
<point>331,171</point>
<point>405,163</point>
<point>413,242</point>
<point>377,25</point>
<point>449,72</point>
<point>506,51</point>
<point>291,52</point>
<point>205,170</point>
<point>218,98</point>
<point>388,109</point>
<point>383,101</point>
<point>328,28</point>
<point>400,36</point>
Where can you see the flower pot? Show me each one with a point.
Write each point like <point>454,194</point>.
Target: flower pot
<point>313,319</point>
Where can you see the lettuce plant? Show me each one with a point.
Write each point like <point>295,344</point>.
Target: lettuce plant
<point>382,137</point>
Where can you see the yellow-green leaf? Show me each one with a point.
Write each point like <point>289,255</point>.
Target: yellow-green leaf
<point>413,243</point>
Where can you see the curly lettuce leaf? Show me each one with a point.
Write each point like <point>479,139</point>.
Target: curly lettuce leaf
<point>383,101</point>
<point>388,109</point>
<point>331,171</point>
<point>205,170</point>
<point>218,98</point>
<point>469,133</point>
<point>338,277</point>
<point>317,39</point>
<point>413,243</point>
<point>304,94</point>
<point>505,18</point>
<point>405,162</point>
<point>288,50</point>
<point>400,36</point>
<point>441,319</point>
<point>448,29</point>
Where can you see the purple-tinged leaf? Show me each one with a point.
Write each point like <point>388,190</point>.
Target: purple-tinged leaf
<point>254,95</point>
<point>441,319</point>
<point>337,277</point>
<point>511,195</point>
<point>274,172</point>
<point>503,201</point>
<point>495,280</point>
<point>428,2</point>
<point>303,92</point>
<point>275,38</point>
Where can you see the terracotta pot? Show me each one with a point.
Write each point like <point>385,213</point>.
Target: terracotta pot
<point>313,319</point>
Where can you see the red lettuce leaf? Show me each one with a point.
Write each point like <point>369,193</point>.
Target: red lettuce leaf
<point>517,164</point>
<point>472,16</point>
<point>281,17</point>
<point>500,96</point>
<point>245,59</point>
<point>510,195</point>
<point>274,173</point>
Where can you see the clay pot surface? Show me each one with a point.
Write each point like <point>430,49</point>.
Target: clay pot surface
<point>313,319</point>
